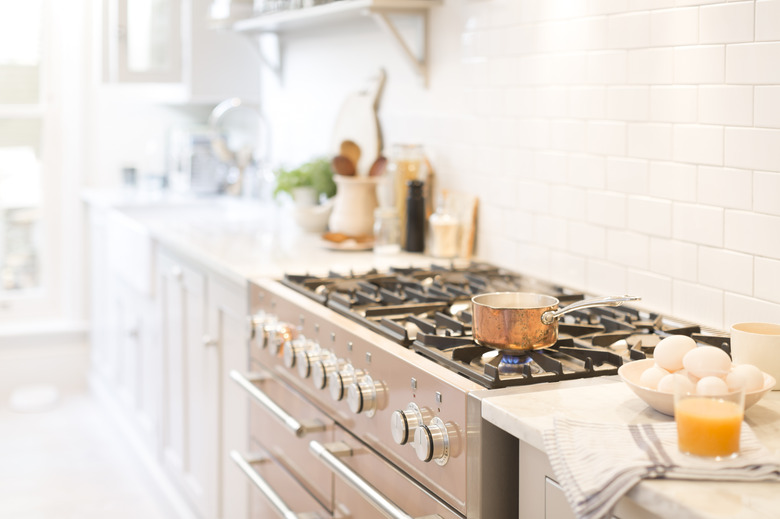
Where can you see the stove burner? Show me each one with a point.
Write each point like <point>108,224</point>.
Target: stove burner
<point>511,363</point>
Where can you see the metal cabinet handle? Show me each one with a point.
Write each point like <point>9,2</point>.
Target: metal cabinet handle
<point>297,427</point>
<point>209,342</point>
<point>270,494</point>
<point>325,453</point>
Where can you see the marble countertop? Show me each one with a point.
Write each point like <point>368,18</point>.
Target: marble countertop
<point>525,413</point>
<point>240,239</point>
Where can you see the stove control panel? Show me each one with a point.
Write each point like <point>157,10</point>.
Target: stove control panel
<point>435,441</point>
<point>323,367</point>
<point>403,423</point>
<point>268,332</point>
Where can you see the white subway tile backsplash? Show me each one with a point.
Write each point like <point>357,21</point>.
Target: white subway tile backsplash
<point>726,104</point>
<point>655,290</point>
<point>766,192</point>
<point>533,133</point>
<point>651,66</point>
<point>596,7</point>
<point>725,187</point>
<point>752,148</point>
<point>588,102</point>
<point>569,135</point>
<point>520,101</point>
<point>606,278</point>
<point>767,20</point>
<point>551,101</point>
<point>587,240</point>
<point>569,268</point>
<point>767,106</point>
<point>701,304</point>
<point>698,224</point>
<point>552,231</point>
<point>650,141</point>
<point>607,209</point>
<point>529,259</point>
<point>607,137</point>
<point>589,171</point>
<point>670,27</point>
<point>743,309</point>
<point>627,248</point>
<point>697,143</point>
<point>699,64</point>
<point>628,103</point>
<point>651,216</point>
<point>731,271</point>
<point>767,280</point>
<point>533,196</point>
<point>569,202</point>
<point>674,258</point>
<point>753,233</point>
<point>726,23</point>
<point>752,63</point>
<point>674,104</point>
<point>551,167</point>
<point>587,33</point>
<point>673,181</point>
<point>607,67</point>
<point>625,31</point>
<point>627,175</point>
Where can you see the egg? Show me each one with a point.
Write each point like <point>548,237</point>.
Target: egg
<point>668,383</point>
<point>651,376</point>
<point>684,372</point>
<point>747,376</point>
<point>706,361</point>
<point>669,352</point>
<point>711,386</point>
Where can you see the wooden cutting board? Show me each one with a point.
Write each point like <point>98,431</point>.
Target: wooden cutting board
<point>357,121</point>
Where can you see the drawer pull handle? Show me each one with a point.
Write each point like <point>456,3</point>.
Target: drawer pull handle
<point>270,494</point>
<point>329,455</point>
<point>298,428</point>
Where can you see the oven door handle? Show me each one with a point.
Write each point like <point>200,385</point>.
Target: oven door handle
<point>329,455</point>
<point>270,494</point>
<point>298,428</point>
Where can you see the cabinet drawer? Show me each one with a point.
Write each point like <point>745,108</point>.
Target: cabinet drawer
<point>130,252</point>
<point>289,450</point>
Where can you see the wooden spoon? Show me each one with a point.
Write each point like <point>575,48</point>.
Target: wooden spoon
<point>378,167</point>
<point>351,150</point>
<point>343,166</point>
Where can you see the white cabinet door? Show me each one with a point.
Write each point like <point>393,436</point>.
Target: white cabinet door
<point>190,364</point>
<point>228,327</point>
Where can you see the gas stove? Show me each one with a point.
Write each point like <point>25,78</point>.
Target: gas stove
<point>429,311</point>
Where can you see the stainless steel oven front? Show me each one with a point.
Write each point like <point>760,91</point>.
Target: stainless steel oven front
<point>345,423</point>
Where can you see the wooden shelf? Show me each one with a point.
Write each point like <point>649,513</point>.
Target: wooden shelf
<point>382,11</point>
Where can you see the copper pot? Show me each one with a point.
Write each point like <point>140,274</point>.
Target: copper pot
<point>521,321</point>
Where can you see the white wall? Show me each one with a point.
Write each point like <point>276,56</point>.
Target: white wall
<point>615,145</point>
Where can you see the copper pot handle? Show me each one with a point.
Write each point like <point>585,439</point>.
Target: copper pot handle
<point>551,316</point>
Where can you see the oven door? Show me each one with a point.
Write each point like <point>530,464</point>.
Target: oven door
<point>282,423</point>
<point>368,487</point>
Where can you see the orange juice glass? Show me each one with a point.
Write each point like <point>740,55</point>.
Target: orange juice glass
<point>709,426</point>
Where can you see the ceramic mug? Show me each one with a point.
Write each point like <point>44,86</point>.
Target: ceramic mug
<point>757,344</point>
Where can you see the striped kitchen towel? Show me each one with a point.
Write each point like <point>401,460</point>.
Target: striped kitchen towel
<point>596,464</point>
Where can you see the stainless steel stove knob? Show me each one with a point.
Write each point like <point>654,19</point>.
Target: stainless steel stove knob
<point>261,325</point>
<point>307,358</point>
<point>432,442</point>
<point>278,335</point>
<point>291,350</point>
<point>323,369</point>
<point>362,396</point>
<point>404,423</point>
<point>339,381</point>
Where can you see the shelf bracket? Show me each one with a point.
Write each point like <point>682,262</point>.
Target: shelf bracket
<point>417,60</point>
<point>269,50</point>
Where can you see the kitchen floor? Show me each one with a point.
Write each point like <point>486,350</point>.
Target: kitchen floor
<point>70,463</point>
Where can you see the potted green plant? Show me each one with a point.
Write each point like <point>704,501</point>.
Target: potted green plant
<point>307,183</point>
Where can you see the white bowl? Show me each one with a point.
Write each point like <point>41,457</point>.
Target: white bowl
<point>664,402</point>
<point>312,218</point>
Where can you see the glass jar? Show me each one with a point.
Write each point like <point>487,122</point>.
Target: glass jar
<point>387,231</point>
<point>445,230</point>
<point>405,162</point>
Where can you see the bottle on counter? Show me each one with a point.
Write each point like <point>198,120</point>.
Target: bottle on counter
<point>445,230</point>
<point>387,231</point>
<point>405,162</point>
<point>415,217</point>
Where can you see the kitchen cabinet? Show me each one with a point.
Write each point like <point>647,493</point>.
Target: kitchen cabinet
<point>168,51</point>
<point>203,329</point>
<point>411,43</point>
<point>123,355</point>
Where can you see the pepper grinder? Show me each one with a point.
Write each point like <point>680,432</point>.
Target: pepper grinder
<point>415,217</point>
